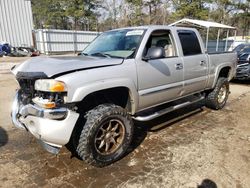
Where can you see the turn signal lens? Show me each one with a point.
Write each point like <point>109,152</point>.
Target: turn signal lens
<point>50,105</point>
<point>57,87</point>
<point>44,103</point>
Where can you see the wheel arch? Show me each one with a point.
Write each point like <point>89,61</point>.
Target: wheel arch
<point>109,88</point>
<point>225,71</point>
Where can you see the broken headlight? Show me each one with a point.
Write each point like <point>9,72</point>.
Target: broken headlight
<point>50,93</point>
<point>50,85</point>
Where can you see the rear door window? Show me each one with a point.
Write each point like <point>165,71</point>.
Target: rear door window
<point>189,42</point>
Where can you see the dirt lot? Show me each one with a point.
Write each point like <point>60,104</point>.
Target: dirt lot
<point>186,148</point>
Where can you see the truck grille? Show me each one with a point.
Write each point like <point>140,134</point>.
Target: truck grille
<point>27,90</point>
<point>26,82</point>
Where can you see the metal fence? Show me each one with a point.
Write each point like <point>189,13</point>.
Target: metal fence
<point>222,45</point>
<point>50,41</point>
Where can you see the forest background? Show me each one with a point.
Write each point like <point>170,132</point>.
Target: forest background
<point>97,15</point>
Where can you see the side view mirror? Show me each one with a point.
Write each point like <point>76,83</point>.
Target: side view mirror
<point>154,53</point>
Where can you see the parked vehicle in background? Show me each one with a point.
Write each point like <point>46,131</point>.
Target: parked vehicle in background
<point>8,50</point>
<point>5,49</point>
<point>135,73</point>
<point>238,40</point>
<point>24,51</point>
<point>242,48</point>
<point>243,66</point>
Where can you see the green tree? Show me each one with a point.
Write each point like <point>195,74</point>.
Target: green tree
<point>136,16</point>
<point>63,14</point>
<point>194,9</point>
<point>49,13</point>
<point>222,11</point>
<point>244,17</point>
<point>109,14</point>
<point>82,13</point>
<point>233,12</point>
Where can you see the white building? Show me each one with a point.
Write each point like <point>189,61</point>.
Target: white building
<point>16,23</point>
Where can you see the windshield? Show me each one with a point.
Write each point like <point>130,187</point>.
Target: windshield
<point>242,48</point>
<point>238,48</point>
<point>244,57</point>
<point>119,43</point>
<point>246,50</point>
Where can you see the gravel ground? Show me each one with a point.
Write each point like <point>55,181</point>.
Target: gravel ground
<point>192,147</point>
<point>6,63</point>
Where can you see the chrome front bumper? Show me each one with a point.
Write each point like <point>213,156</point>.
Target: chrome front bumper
<point>59,113</point>
<point>51,126</point>
<point>29,109</point>
<point>15,112</point>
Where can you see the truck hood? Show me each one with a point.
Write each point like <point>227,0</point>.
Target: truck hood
<point>52,66</point>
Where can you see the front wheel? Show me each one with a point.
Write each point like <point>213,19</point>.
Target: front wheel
<point>106,135</point>
<point>217,98</point>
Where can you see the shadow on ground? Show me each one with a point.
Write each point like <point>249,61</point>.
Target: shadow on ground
<point>241,82</point>
<point>3,137</point>
<point>207,183</point>
<point>143,128</point>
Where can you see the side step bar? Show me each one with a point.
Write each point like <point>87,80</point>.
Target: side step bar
<point>166,110</point>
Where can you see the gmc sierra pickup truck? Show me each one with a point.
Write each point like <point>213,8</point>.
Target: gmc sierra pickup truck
<point>124,75</point>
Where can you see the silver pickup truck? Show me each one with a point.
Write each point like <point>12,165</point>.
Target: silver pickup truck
<point>132,74</point>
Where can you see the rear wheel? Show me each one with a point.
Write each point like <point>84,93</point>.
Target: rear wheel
<point>106,135</point>
<point>217,98</point>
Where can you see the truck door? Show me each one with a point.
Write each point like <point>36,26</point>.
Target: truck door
<point>195,62</point>
<point>159,80</point>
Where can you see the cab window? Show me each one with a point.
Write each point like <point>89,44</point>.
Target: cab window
<point>163,39</point>
<point>189,42</point>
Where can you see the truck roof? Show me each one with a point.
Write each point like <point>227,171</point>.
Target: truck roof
<point>155,27</point>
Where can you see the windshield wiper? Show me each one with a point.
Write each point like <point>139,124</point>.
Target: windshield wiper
<point>101,54</point>
<point>82,53</point>
<point>105,55</point>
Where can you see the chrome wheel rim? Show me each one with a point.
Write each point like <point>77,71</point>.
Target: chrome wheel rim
<point>109,137</point>
<point>222,94</point>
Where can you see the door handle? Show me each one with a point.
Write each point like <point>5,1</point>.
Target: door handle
<point>179,66</point>
<point>202,63</point>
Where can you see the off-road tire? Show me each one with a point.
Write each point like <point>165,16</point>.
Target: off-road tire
<point>95,118</point>
<point>212,97</point>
